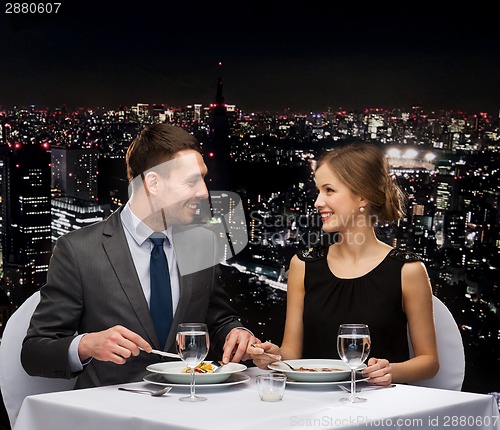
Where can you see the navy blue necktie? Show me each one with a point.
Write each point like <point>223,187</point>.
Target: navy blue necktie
<point>160,304</point>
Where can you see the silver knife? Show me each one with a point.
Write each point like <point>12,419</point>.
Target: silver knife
<point>162,353</point>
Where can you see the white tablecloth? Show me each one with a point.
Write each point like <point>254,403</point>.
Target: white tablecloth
<point>239,407</point>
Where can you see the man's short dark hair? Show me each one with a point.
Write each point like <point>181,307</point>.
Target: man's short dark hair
<point>156,144</point>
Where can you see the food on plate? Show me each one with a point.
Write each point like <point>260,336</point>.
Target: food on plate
<point>319,369</point>
<point>203,367</point>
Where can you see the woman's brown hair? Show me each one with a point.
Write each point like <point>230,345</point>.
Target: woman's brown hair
<point>364,169</point>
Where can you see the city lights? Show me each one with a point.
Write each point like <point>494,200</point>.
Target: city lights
<point>451,181</point>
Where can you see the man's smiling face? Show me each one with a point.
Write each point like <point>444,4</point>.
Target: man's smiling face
<point>182,187</point>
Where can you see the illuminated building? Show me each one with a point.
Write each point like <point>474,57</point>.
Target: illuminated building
<point>141,110</point>
<point>26,211</point>
<point>454,230</point>
<point>70,214</point>
<point>228,220</point>
<point>74,172</point>
<point>193,114</point>
<point>446,189</point>
<point>3,190</point>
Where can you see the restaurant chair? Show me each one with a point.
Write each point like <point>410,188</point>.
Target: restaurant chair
<point>450,351</point>
<point>15,383</point>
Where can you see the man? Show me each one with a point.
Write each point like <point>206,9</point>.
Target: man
<point>94,314</point>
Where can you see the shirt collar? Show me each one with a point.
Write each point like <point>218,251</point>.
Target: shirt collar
<point>138,229</point>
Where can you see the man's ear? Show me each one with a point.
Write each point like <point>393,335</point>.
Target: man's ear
<point>151,181</point>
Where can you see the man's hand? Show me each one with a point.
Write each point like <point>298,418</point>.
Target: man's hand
<point>236,345</point>
<point>115,344</point>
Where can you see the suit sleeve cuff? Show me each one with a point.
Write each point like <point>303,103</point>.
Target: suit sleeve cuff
<point>240,328</point>
<point>75,365</point>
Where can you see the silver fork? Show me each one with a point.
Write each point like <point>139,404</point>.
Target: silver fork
<point>276,357</point>
<point>221,365</point>
<point>157,393</point>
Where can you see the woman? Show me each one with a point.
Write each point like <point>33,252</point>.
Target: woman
<point>358,279</point>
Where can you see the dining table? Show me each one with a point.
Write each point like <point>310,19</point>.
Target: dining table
<point>238,407</point>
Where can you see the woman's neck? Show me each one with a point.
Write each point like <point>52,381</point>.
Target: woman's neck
<point>355,244</point>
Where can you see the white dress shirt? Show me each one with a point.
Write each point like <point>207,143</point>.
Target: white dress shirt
<point>137,234</point>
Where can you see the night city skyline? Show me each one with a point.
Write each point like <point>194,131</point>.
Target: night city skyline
<point>447,162</point>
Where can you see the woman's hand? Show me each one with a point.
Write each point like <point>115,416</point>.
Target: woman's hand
<point>263,354</point>
<point>379,371</point>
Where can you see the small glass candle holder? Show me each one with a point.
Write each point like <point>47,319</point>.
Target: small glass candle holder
<point>271,386</point>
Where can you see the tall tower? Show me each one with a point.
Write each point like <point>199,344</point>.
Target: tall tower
<point>223,204</point>
<point>217,149</point>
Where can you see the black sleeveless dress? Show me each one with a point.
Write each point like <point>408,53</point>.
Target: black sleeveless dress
<point>374,299</point>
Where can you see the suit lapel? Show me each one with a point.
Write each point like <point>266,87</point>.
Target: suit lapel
<point>114,243</point>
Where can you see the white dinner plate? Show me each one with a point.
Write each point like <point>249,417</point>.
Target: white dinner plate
<point>339,370</point>
<point>358,379</point>
<point>172,372</point>
<point>234,379</point>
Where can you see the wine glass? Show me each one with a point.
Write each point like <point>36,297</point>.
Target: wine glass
<point>353,345</point>
<point>192,345</point>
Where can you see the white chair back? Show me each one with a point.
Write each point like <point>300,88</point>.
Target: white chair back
<point>15,383</point>
<point>450,351</point>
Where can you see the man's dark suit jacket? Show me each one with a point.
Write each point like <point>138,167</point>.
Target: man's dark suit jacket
<point>92,285</point>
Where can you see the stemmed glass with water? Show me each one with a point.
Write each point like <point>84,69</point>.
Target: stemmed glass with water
<point>353,345</point>
<point>192,345</point>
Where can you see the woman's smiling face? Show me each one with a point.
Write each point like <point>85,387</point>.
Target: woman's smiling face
<point>336,203</point>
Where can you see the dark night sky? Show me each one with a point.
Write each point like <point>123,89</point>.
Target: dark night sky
<point>275,55</point>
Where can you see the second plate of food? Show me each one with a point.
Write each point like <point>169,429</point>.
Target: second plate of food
<point>314,370</point>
